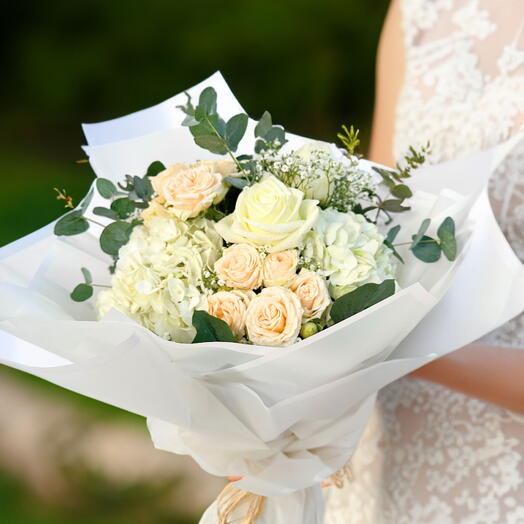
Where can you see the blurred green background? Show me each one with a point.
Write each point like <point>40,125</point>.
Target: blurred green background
<point>310,63</point>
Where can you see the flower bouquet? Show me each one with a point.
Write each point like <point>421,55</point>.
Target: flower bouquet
<point>261,289</point>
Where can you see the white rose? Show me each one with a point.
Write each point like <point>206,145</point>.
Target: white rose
<point>312,291</point>
<point>274,317</point>
<point>269,214</point>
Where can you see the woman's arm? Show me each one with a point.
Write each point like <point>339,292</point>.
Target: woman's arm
<point>492,374</point>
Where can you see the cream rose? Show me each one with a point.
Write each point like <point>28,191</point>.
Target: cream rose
<point>231,307</point>
<point>240,267</point>
<point>274,317</point>
<point>186,191</point>
<point>280,268</point>
<point>313,293</point>
<point>224,167</point>
<point>271,215</point>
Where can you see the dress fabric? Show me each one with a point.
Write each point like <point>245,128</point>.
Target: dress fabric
<point>431,455</point>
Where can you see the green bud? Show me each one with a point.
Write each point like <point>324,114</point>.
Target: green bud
<point>308,329</point>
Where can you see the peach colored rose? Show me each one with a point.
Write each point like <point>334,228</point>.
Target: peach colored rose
<point>274,317</point>
<point>231,307</point>
<point>280,268</point>
<point>224,167</point>
<point>312,291</point>
<point>186,190</point>
<point>240,267</point>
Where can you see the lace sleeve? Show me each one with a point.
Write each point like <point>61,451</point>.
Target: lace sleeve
<point>464,91</point>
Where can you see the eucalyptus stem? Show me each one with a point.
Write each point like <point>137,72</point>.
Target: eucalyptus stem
<point>419,242</point>
<point>100,285</point>
<point>94,222</point>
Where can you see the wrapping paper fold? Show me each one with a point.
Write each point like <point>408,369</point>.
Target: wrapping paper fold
<point>284,419</point>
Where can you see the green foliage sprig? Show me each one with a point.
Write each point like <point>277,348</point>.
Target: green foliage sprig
<point>124,203</point>
<point>424,247</point>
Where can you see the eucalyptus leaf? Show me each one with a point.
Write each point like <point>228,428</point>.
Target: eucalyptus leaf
<point>211,329</point>
<point>207,101</point>
<point>114,236</point>
<point>82,292</point>
<point>212,143</point>
<point>396,254</point>
<point>105,212</point>
<point>71,224</point>
<point>264,125</point>
<point>392,233</point>
<point>155,168</point>
<point>360,299</point>
<point>448,241</point>
<point>235,129</point>
<point>143,188</point>
<point>395,206</point>
<point>401,191</point>
<point>421,231</point>
<point>427,249</point>
<point>123,207</point>
<point>106,188</point>
<point>276,133</point>
<point>87,275</point>
<point>239,183</point>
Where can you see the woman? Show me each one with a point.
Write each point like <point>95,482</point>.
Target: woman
<point>447,445</point>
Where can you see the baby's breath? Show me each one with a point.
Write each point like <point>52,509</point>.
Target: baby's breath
<point>346,184</point>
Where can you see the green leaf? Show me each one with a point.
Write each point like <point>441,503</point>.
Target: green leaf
<point>106,188</point>
<point>392,233</point>
<point>427,249</point>
<point>235,130</point>
<point>155,168</point>
<point>212,143</point>
<point>71,224</point>
<point>114,236</point>
<point>143,188</point>
<point>360,299</point>
<point>386,176</point>
<point>208,101</point>
<point>421,231</point>
<point>189,120</point>
<point>123,207</point>
<point>211,329</point>
<point>448,241</point>
<point>401,191</point>
<point>395,206</point>
<point>239,183</point>
<point>82,292</point>
<point>396,254</point>
<point>87,275</point>
<point>276,133</point>
<point>264,125</point>
<point>210,125</point>
<point>105,212</point>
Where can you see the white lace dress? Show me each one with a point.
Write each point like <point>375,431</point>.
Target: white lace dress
<point>429,454</point>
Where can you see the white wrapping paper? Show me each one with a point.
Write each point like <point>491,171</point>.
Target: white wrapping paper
<point>284,419</point>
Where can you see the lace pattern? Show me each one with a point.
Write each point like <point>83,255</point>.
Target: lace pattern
<point>431,455</point>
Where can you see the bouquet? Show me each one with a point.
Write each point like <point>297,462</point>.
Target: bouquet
<point>261,289</point>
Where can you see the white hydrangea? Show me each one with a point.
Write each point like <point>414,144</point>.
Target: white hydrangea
<point>158,277</point>
<point>348,250</point>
